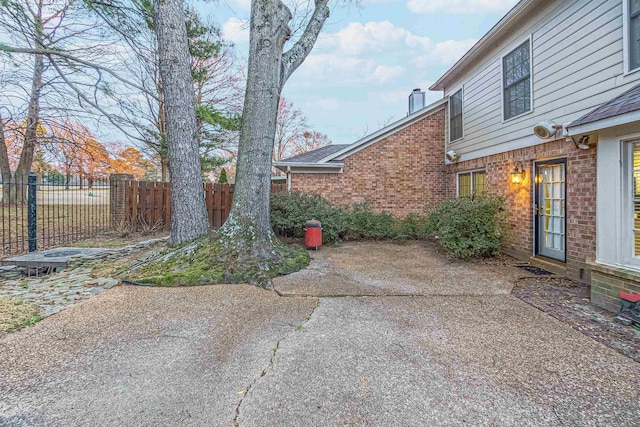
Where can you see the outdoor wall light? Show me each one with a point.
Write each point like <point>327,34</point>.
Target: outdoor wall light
<point>518,175</point>
<point>582,143</point>
<point>539,178</point>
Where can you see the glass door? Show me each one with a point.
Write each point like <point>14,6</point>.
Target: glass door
<point>549,209</point>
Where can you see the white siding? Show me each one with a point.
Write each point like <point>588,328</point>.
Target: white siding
<point>577,65</point>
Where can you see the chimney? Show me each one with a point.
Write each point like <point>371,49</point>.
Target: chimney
<point>416,100</point>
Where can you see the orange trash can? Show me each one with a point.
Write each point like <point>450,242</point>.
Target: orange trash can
<point>313,234</point>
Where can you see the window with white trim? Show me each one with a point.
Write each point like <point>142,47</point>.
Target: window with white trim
<point>455,116</point>
<point>635,198</point>
<point>633,14</point>
<point>472,183</point>
<point>516,81</point>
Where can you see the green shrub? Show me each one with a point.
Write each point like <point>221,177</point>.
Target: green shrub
<point>222,179</point>
<point>469,227</point>
<point>413,226</point>
<point>362,223</point>
<point>290,212</point>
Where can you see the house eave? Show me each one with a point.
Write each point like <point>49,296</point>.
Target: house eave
<point>609,122</point>
<point>309,167</point>
<point>487,42</point>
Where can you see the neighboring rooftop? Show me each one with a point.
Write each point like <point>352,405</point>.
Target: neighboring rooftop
<point>315,155</point>
<point>625,103</point>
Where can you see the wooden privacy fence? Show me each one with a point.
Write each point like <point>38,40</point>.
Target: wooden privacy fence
<point>147,205</point>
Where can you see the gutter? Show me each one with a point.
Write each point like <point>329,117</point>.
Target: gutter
<point>289,165</point>
<point>308,167</point>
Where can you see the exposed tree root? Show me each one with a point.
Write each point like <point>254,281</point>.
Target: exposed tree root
<point>217,258</point>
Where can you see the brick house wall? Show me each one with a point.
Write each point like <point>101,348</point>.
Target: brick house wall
<point>401,174</point>
<point>580,199</point>
<point>405,173</point>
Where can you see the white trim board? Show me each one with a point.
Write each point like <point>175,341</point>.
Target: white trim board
<point>308,164</point>
<point>528,141</point>
<point>291,167</point>
<point>315,171</point>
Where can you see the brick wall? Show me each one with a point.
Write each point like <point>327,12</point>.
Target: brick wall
<point>580,193</point>
<point>608,281</point>
<point>405,173</point>
<point>401,174</point>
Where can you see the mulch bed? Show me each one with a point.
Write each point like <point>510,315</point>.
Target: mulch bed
<point>568,301</point>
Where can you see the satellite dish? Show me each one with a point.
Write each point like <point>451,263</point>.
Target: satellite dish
<point>546,129</point>
<point>452,156</point>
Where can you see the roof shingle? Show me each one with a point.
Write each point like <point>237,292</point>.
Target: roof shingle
<point>625,103</point>
<point>315,155</point>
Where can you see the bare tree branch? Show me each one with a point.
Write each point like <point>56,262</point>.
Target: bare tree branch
<point>86,99</point>
<point>295,56</point>
<point>49,53</point>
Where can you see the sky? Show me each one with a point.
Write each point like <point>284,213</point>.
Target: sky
<point>371,56</point>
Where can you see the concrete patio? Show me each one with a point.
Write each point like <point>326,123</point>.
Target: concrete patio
<point>370,334</point>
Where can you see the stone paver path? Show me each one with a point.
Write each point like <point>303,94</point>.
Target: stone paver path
<point>56,291</point>
<point>372,334</point>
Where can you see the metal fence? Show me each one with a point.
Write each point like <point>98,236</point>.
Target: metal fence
<point>51,210</point>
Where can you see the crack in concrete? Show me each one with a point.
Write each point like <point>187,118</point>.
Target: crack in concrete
<point>269,366</point>
<point>389,295</point>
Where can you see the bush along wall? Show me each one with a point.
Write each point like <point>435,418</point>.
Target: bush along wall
<point>465,227</point>
<point>470,227</point>
<point>290,211</point>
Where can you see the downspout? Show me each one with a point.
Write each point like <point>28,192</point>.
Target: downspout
<point>289,179</point>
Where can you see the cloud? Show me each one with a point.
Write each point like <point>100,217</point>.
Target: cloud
<point>236,30</point>
<point>445,53</point>
<point>366,71</point>
<point>377,53</point>
<point>240,4</point>
<point>327,103</point>
<point>384,73</point>
<point>323,65</point>
<point>379,1</point>
<point>357,38</point>
<point>459,6</point>
<point>348,71</point>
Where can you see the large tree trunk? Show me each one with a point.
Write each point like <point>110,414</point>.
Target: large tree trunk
<point>5,167</point>
<point>162,130</point>
<point>19,194</point>
<point>189,215</point>
<point>248,226</point>
<point>250,216</point>
<point>67,181</point>
<point>164,168</point>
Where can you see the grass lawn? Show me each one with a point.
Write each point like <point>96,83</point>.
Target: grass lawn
<point>55,224</point>
<point>16,314</point>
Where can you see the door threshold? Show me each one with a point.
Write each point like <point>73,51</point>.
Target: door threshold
<point>556,267</point>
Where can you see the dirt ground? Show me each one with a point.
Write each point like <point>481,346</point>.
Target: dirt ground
<point>115,239</point>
